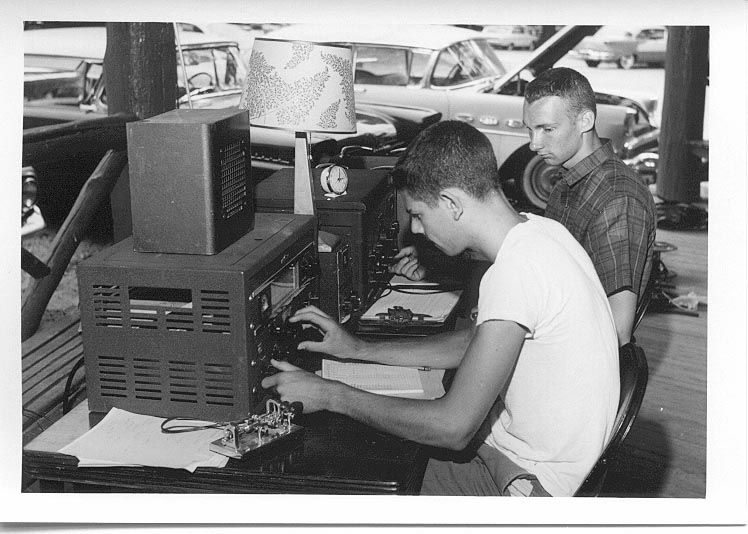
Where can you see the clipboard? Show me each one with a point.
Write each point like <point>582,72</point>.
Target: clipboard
<point>412,312</point>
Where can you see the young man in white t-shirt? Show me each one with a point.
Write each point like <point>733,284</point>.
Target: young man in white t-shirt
<point>536,386</point>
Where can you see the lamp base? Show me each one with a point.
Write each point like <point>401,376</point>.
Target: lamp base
<point>303,191</point>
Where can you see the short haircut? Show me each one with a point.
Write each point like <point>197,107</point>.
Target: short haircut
<point>565,83</point>
<point>447,154</point>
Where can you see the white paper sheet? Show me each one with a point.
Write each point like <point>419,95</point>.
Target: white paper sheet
<point>436,305</point>
<point>374,378</point>
<point>123,438</point>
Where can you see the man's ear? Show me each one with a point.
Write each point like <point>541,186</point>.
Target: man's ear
<point>453,200</point>
<point>586,120</point>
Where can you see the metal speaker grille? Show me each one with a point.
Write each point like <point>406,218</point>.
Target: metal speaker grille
<point>233,178</point>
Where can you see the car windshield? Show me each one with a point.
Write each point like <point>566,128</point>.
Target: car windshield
<point>216,69</point>
<point>465,62</point>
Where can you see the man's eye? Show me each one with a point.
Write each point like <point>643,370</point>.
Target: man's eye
<point>549,129</point>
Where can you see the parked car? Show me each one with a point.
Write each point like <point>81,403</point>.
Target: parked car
<point>510,37</point>
<point>242,33</point>
<point>456,72</point>
<point>625,47</point>
<point>78,53</point>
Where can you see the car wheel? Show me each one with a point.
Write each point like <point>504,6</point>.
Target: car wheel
<point>538,179</point>
<point>592,63</point>
<point>626,62</point>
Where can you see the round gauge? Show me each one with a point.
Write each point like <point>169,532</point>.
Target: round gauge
<point>334,179</point>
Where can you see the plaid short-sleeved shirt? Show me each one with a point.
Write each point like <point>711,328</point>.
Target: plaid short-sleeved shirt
<point>610,211</point>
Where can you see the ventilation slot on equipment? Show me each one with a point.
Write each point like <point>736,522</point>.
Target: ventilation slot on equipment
<point>215,317</point>
<point>112,376</point>
<point>233,179</point>
<point>148,381</point>
<point>218,380</point>
<point>107,305</point>
<point>159,307</point>
<point>183,381</point>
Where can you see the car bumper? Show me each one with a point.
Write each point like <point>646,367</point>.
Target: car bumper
<point>595,55</point>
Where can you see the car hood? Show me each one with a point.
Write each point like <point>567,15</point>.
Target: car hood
<point>549,53</point>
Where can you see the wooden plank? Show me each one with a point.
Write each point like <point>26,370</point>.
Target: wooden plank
<point>47,361</point>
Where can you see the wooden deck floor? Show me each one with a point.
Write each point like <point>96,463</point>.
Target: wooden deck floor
<point>665,452</point>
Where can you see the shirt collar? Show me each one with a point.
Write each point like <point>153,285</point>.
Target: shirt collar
<point>588,164</point>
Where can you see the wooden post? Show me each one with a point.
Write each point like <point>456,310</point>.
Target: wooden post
<point>141,77</point>
<point>686,71</point>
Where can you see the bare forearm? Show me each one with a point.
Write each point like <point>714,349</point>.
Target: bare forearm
<point>623,307</point>
<point>429,422</point>
<point>442,351</point>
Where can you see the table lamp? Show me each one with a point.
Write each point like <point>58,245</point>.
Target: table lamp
<point>303,87</point>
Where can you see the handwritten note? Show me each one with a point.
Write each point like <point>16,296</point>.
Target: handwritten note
<point>127,439</point>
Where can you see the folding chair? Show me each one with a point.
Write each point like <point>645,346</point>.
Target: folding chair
<point>634,374</point>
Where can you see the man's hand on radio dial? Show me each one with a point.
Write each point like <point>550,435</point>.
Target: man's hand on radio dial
<point>296,385</point>
<point>336,341</point>
<point>408,265</point>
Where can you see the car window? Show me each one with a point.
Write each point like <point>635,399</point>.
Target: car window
<point>653,34</point>
<point>419,60</point>
<point>198,68</point>
<point>211,69</point>
<point>230,69</point>
<point>379,65</point>
<point>464,62</point>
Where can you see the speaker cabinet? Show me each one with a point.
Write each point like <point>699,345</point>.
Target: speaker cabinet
<point>190,186</point>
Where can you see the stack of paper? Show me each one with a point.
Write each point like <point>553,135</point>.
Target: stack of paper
<point>127,439</point>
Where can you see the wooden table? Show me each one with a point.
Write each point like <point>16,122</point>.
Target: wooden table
<point>335,455</point>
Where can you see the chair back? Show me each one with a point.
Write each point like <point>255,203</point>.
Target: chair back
<point>634,375</point>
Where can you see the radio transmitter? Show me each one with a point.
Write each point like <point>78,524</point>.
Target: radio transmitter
<point>335,277</point>
<point>365,216</point>
<point>190,335</point>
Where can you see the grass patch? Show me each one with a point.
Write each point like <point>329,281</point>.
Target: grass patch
<point>64,301</point>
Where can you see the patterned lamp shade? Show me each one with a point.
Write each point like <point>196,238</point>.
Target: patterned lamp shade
<point>300,86</point>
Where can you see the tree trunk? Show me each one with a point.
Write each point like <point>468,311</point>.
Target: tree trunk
<point>141,78</point>
<point>686,72</point>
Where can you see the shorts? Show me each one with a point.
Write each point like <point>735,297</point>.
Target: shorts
<point>488,472</point>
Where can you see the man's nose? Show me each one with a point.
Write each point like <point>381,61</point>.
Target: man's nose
<point>415,226</point>
<point>535,141</point>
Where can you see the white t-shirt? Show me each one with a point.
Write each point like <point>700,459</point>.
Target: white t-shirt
<point>561,400</point>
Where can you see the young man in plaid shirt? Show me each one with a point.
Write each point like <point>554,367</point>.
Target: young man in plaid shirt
<point>601,201</point>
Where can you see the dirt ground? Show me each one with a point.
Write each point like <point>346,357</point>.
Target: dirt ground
<point>64,302</point>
